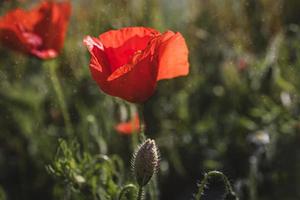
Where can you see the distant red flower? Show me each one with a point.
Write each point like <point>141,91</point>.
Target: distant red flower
<point>127,63</point>
<point>242,64</point>
<point>127,128</point>
<point>39,32</point>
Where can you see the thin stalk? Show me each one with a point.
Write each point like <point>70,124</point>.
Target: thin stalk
<point>253,176</point>
<point>134,135</point>
<point>140,195</point>
<point>142,122</point>
<point>139,137</point>
<point>67,193</point>
<point>52,66</point>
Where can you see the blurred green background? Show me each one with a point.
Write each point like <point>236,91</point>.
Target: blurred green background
<point>237,111</point>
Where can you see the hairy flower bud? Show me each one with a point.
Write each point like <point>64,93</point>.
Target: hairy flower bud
<point>145,162</point>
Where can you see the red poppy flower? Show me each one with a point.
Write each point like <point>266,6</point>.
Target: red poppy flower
<point>39,32</point>
<point>127,63</point>
<point>127,128</point>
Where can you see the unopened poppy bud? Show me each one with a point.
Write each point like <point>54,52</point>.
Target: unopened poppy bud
<point>145,162</point>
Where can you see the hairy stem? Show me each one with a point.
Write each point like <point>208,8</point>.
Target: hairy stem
<point>52,66</point>
<point>142,122</point>
<point>140,195</point>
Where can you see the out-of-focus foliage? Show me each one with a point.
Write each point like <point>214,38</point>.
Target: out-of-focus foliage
<point>87,176</point>
<point>237,111</point>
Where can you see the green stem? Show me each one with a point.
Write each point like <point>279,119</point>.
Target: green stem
<point>134,136</point>
<point>138,138</point>
<point>204,182</point>
<point>253,177</point>
<point>140,194</point>
<point>60,96</point>
<point>67,193</point>
<point>142,122</point>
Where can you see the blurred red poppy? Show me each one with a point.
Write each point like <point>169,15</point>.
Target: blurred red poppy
<point>127,63</point>
<point>127,128</point>
<point>39,32</point>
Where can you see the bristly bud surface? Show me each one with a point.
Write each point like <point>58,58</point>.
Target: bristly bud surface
<point>145,162</point>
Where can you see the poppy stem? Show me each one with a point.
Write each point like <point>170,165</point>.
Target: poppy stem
<point>140,193</point>
<point>142,136</point>
<point>52,66</point>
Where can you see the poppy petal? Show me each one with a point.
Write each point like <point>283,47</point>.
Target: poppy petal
<point>53,25</point>
<point>13,38</point>
<point>127,63</point>
<point>127,128</point>
<point>39,32</point>
<point>45,54</point>
<point>117,38</point>
<point>173,56</point>
<point>124,128</point>
<point>120,45</point>
<point>98,60</point>
<point>15,28</point>
<point>19,16</point>
<point>136,84</point>
<point>120,72</point>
